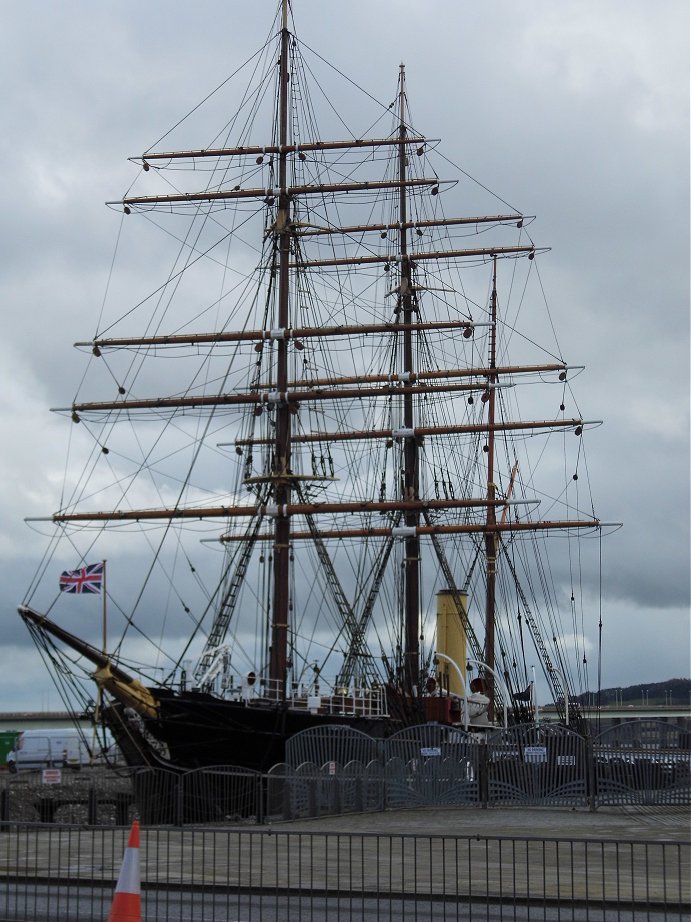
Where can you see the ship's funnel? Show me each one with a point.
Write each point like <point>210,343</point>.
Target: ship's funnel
<point>451,639</point>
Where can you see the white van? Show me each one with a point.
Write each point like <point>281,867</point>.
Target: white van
<point>61,748</point>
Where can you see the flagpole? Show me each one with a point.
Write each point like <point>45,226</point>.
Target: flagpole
<point>104,610</point>
<point>99,699</point>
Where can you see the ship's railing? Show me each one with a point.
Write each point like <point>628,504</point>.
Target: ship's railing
<point>317,697</point>
<point>356,702</point>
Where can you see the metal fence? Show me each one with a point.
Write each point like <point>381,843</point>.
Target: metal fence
<point>643,761</point>
<point>332,770</point>
<point>68,873</point>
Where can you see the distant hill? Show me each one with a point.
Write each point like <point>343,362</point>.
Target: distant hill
<point>670,692</point>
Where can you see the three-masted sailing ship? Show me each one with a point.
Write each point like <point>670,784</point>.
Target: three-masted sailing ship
<point>341,423</point>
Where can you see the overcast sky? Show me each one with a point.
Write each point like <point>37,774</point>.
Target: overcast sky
<point>576,111</point>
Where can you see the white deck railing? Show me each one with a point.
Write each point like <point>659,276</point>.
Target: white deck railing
<point>317,697</point>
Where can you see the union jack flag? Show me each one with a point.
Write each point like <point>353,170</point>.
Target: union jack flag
<point>86,580</point>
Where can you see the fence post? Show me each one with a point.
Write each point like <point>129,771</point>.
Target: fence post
<point>4,805</point>
<point>591,774</point>
<point>312,796</point>
<point>180,800</point>
<point>286,795</point>
<point>92,807</point>
<point>260,797</point>
<point>483,775</point>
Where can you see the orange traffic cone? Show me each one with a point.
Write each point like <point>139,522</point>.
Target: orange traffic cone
<point>127,902</point>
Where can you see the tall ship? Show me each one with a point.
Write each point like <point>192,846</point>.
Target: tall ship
<point>331,472</point>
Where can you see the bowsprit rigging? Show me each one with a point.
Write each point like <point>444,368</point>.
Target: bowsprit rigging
<point>328,389</point>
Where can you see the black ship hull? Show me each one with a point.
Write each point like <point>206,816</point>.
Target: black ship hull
<point>237,742</point>
<point>194,730</point>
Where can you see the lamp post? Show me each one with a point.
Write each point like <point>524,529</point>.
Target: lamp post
<point>497,678</point>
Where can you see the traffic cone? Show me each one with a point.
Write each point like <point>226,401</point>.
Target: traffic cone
<point>127,902</point>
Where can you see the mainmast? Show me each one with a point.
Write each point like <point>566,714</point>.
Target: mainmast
<point>406,308</point>
<point>281,467</point>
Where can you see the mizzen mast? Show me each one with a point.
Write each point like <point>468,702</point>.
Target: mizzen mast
<point>406,309</point>
<point>491,535</point>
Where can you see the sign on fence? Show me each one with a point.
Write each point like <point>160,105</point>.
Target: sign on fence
<point>535,753</point>
<point>51,776</point>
